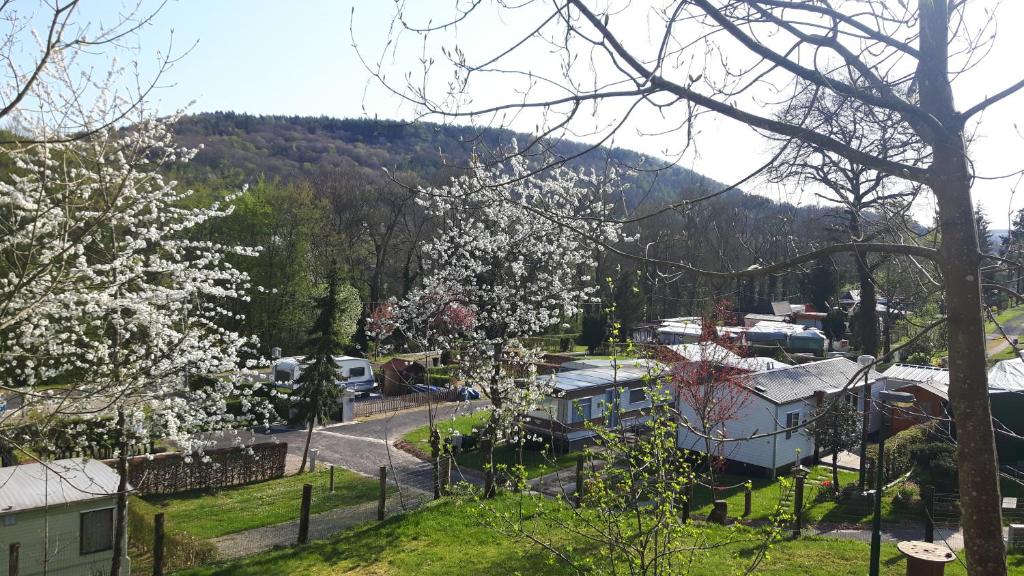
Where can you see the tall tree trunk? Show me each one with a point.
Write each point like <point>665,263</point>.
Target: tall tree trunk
<point>968,383</point>
<point>867,314</point>
<point>435,460</point>
<point>305,451</point>
<point>491,430</point>
<point>960,262</point>
<point>121,506</point>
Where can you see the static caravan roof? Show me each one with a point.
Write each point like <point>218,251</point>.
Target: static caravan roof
<point>32,486</point>
<point>717,354</point>
<point>791,383</point>
<point>1007,376</point>
<point>915,373</point>
<point>763,317</point>
<point>574,380</point>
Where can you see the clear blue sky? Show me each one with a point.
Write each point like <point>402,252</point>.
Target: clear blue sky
<point>296,57</point>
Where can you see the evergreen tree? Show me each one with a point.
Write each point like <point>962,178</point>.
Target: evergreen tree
<point>318,390</point>
<point>594,331</point>
<point>981,222</point>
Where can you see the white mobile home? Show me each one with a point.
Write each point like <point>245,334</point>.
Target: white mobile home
<point>582,399</point>
<point>58,516</point>
<point>778,399</point>
<point>356,373</point>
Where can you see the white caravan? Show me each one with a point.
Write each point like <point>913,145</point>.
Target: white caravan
<point>356,373</point>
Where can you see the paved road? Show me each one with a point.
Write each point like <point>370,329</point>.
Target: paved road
<point>367,445</point>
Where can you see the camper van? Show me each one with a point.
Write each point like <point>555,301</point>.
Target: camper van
<point>356,373</point>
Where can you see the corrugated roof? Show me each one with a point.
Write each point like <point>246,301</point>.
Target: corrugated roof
<point>601,377</point>
<point>915,373</point>
<point>32,486</point>
<point>791,383</point>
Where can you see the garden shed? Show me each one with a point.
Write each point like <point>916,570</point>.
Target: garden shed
<point>60,516</point>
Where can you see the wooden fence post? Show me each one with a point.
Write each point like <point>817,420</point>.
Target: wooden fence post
<point>158,544</point>
<point>382,501</point>
<point>928,500</point>
<point>798,506</point>
<point>12,559</point>
<point>579,480</point>
<point>307,497</point>
<point>747,504</point>
<point>332,479</point>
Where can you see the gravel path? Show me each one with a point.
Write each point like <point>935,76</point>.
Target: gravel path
<point>323,525</point>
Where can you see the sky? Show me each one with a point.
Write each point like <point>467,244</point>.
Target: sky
<point>297,58</point>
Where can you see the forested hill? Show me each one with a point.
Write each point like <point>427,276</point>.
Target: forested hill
<point>240,148</point>
<point>319,194</point>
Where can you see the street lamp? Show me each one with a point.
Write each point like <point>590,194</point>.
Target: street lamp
<point>889,399</point>
<point>866,361</point>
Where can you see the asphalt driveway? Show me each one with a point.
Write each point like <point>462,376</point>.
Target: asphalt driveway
<point>367,445</point>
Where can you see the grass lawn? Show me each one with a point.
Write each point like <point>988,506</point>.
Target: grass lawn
<point>766,495</point>
<point>535,462</point>
<point>1003,317</point>
<point>447,538</point>
<point>208,514</point>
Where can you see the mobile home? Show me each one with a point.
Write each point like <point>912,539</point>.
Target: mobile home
<point>58,516</point>
<point>356,373</point>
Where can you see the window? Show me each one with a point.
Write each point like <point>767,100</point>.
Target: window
<point>435,361</point>
<point>282,375</point>
<point>792,419</point>
<point>357,372</point>
<point>96,531</point>
<point>637,395</point>
<point>581,409</point>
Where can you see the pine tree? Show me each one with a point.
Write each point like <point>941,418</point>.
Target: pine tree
<point>318,390</point>
<point>982,223</point>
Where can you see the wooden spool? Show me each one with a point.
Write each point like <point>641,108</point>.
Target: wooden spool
<point>925,558</point>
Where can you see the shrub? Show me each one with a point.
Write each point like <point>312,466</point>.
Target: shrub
<point>897,452</point>
<point>935,464</point>
<point>181,549</point>
<point>906,495</point>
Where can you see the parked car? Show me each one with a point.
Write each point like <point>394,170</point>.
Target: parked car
<point>357,373</point>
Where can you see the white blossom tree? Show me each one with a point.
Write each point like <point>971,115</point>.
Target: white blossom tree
<point>501,254</point>
<point>142,303</point>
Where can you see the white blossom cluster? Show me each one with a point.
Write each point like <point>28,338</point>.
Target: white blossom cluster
<point>518,251</point>
<point>108,290</point>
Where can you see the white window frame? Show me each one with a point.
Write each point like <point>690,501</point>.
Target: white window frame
<point>790,423</point>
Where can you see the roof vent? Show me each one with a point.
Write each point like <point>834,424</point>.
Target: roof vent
<point>760,388</point>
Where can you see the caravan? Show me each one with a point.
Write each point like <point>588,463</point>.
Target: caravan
<point>356,373</point>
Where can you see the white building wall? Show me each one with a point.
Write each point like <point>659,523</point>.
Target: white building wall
<point>786,448</point>
<point>755,416</point>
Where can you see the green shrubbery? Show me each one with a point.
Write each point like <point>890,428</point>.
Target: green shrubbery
<point>181,549</point>
<point>924,451</point>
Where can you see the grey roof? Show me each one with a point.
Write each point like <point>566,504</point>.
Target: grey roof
<point>32,486</point>
<point>602,378</point>
<point>915,373</point>
<point>791,383</point>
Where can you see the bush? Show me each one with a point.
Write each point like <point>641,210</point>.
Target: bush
<point>935,464</point>
<point>181,549</point>
<point>906,495</point>
<point>898,448</point>
<point>920,358</point>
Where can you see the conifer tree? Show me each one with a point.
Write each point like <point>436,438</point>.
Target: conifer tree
<point>318,391</point>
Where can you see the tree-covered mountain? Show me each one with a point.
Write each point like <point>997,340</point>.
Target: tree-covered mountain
<point>323,189</point>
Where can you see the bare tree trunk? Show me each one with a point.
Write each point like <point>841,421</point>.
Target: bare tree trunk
<point>305,451</point>
<point>968,390</point>
<point>435,461</point>
<point>960,262</point>
<point>121,507</point>
<point>867,316</point>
